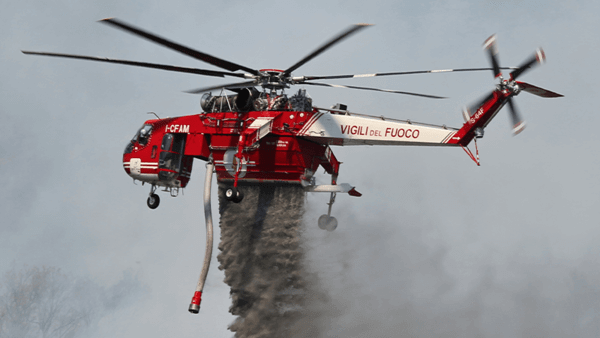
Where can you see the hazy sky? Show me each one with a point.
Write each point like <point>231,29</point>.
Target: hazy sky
<point>432,234</point>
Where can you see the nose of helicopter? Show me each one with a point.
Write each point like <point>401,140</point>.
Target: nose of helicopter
<point>139,156</point>
<point>130,163</point>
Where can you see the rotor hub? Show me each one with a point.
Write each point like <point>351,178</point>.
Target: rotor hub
<point>273,79</point>
<point>509,86</point>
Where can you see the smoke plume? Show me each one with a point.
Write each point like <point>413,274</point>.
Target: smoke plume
<point>45,302</point>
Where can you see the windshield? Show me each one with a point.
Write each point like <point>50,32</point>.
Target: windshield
<point>142,135</point>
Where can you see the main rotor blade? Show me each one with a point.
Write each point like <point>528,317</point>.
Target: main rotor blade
<point>215,61</point>
<point>373,89</point>
<point>517,123</point>
<point>349,76</point>
<point>139,64</point>
<point>539,57</point>
<point>537,90</point>
<point>226,86</point>
<point>490,46</point>
<point>351,30</point>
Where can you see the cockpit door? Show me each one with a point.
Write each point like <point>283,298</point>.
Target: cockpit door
<point>169,164</point>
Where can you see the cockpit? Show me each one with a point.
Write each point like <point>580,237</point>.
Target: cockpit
<point>140,138</point>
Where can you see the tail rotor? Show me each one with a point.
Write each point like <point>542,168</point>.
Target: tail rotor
<point>511,86</point>
<point>539,57</point>
<point>517,122</point>
<point>492,50</point>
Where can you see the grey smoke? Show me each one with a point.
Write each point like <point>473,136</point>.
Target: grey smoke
<point>387,278</point>
<point>384,277</point>
<point>46,302</point>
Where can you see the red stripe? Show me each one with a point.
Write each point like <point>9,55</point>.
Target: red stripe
<point>311,122</point>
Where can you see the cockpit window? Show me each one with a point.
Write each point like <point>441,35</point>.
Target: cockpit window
<point>128,148</point>
<point>135,137</point>
<point>141,137</point>
<point>144,134</point>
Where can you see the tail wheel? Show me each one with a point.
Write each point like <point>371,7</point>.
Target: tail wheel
<point>327,223</point>
<point>322,221</point>
<point>153,201</point>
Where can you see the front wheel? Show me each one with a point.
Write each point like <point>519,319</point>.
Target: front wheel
<point>153,201</point>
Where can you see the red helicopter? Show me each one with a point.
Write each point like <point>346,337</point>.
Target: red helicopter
<point>265,136</point>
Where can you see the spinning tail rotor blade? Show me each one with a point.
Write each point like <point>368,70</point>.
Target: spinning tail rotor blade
<point>471,109</point>
<point>481,102</point>
<point>336,39</point>
<point>517,123</point>
<point>490,46</point>
<point>139,64</point>
<point>373,89</point>
<point>215,61</point>
<point>539,57</point>
<point>225,86</point>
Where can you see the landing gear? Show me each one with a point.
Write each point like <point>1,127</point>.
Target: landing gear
<point>328,222</point>
<point>234,195</point>
<point>153,200</point>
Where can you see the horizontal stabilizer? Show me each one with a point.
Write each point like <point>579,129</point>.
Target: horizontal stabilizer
<point>342,187</point>
<point>537,90</point>
<point>354,193</point>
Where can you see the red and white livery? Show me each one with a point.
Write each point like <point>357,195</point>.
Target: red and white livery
<point>265,136</point>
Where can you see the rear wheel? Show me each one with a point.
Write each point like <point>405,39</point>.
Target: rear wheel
<point>322,221</point>
<point>332,224</point>
<point>327,222</point>
<point>234,195</point>
<point>239,197</point>
<point>230,193</point>
<point>153,201</point>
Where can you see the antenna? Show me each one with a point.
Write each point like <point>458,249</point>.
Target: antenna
<point>153,113</point>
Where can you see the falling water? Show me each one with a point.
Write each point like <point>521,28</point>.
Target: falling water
<point>262,257</point>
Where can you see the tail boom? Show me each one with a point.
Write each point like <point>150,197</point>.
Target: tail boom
<point>479,118</point>
<point>348,129</point>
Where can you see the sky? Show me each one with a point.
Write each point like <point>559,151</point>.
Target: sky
<point>434,245</point>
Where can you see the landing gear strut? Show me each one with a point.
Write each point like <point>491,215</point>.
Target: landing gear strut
<point>234,194</point>
<point>328,222</point>
<point>153,200</point>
